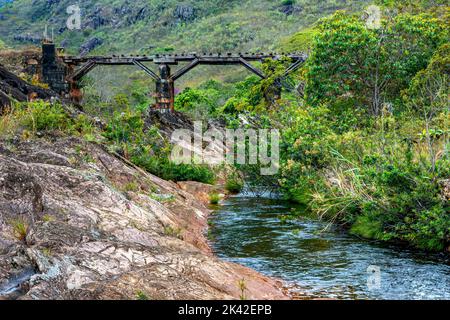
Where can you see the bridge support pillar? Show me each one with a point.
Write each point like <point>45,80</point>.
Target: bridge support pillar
<point>53,69</point>
<point>165,92</point>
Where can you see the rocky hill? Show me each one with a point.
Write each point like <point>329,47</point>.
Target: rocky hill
<point>144,26</point>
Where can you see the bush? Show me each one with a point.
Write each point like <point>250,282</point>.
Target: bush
<point>39,116</point>
<point>214,198</point>
<point>234,184</point>
<point>167,170</point>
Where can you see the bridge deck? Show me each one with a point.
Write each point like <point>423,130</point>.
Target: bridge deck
<point>218,59</point>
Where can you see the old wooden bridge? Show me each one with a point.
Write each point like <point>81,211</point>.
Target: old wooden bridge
<point>63,73</point>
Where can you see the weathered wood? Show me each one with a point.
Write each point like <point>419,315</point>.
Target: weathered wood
<point>176,58</point>
<point>147,70</point>
<point>252,68</point>
<point>164,94</point>
<point>185,69</point>
<point>83,70</point>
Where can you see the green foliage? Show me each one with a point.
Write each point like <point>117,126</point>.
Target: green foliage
<point>376,167</point>
<point>287,2</point>
<point>20,228</point>
<point>374,180</point>
<point>366,65</point>
<point>214,198</point>
<point>164,168</point>
<point>205,101</point>
<point>125,127</point>
<point>428,90</point>
<point>141,296</point>
<point>301,41</point>
<point>33,117</point>
<point>367,227</point>
<point>40,116</point>
<point>147,149</point>
<point>246,96</point>
<point>234,183</point>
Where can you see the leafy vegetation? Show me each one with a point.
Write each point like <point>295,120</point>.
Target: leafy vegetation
<point>370,146</point>
<point>161,26</point>
<point>364,124</point>
<point>214,198</point>
<point>234,184</point>
<point>125,134</point>
<point>365,139</point>
<point>20,228</point>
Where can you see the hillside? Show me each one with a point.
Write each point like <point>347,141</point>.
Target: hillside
<point>150,26</point>
<point>329,181</point>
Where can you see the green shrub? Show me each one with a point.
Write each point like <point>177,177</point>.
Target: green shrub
<point>125,127</point>
<point>20,228</point>
<point>234,185</point>
<point>167,170</point>
<point>214,198</point>
<point>40,116</point>
<point>287,2</point>
<point>368,227</point>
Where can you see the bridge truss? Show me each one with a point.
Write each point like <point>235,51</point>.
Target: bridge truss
<point>77,67</point>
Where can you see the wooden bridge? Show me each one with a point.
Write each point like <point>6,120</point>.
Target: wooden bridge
<point>63,73</point>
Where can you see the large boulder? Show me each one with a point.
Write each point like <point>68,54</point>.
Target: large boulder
<point>13,87</point>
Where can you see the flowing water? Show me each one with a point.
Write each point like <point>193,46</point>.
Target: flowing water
<point>322,264</point>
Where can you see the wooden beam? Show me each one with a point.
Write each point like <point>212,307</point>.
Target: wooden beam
<point>175,58</point>
<point>185,69</point>
<point>293,67</point>
<point>83,70</point>
<point>252,68</point>
<point>147,70</point>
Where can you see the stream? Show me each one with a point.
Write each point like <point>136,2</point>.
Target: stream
<point>317,263</point>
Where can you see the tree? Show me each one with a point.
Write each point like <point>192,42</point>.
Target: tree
<point>427,96</point>
<point>371,66</point>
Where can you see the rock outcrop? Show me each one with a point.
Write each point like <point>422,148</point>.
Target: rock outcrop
<point>13,87</point>
<point>90,45</point>
<point>79,223</point>
<point>184,13</point>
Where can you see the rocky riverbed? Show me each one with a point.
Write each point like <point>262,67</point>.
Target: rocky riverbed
<point>77,222</point>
